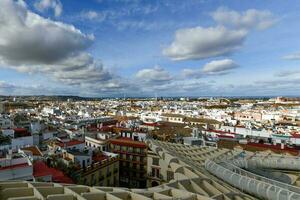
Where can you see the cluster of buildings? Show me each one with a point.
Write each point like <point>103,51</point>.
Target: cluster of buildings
<point>184,172</point>
<point>141,143</point>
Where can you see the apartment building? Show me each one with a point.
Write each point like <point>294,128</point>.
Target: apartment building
<point>133,161</point>
<point>15,138</point>
<point>248,116</point>
<point>104,171</point>
<point>94,168</point>
<point>175,118</point>
<point>97,140</point>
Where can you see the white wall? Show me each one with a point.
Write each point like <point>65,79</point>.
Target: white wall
<point>17,143</point>
<point>245,132</point>
<point>21,173</point>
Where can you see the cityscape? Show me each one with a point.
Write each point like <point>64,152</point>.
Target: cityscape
<point>140,99</point>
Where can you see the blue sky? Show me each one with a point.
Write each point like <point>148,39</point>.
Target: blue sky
<point>147,48</point>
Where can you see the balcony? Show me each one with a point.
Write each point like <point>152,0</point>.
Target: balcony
<point>130,152</point>
<point>154,176</point>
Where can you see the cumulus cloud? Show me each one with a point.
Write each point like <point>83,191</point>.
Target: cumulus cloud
<point>15,89</point>
<point>200,42</point>
<point>221,40</point>
<point>292,56</point>
<point>55,5</point>
<point>32,44</point>
<point>248,19</point>
<point>156,75</point>
<point>215,67</point>
<point>27,38</point>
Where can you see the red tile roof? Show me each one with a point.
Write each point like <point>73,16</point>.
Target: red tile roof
<point>276,147</point>
<point>69,143</point>
<point>41,169</point>
<point>225,136</point>
<point>295,135</point>
<point>150,124</point>
<point>21,132</point>
<point>128,142</point>
<point>34,149</point>
<point>99,157</point>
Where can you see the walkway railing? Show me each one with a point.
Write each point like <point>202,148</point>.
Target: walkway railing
<point>250,184</point>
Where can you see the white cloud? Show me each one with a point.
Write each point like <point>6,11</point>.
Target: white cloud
<point>225,38</point>
<point>32,44</point>
<point>199,43</point>
<point>14,89</point>
<point>27,38</point>
<point>215,67</point>
<point>219,66</point>
<point>155,75</point>
<point>293,56</point>
<point>43,5</point>
<point>94,15</point>
<point>248,19</point>
<point>90,14</point>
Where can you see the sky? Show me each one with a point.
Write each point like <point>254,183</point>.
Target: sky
<point>147,48</point>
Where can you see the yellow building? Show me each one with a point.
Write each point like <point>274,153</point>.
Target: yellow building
<point>99,169</point>
<point>104,172</point>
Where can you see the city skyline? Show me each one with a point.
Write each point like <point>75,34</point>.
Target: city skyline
<point>101,48</point>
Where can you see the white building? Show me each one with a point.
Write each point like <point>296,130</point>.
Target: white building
<point>16,167</point>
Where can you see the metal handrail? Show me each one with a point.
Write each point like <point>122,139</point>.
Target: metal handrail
<point>243,172</point>
<point>253,186</point>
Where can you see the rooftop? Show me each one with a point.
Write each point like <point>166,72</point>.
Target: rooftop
<point>34,149</point>
<point>128,142</point>
<point>40,169</point>
<point>69,143</point>
<point>21,165</point>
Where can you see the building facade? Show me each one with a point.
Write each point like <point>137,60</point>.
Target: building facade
<point>133,161</point>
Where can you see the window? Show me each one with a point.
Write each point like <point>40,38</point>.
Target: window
<point>170,175</point>
<point>155,161</point>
